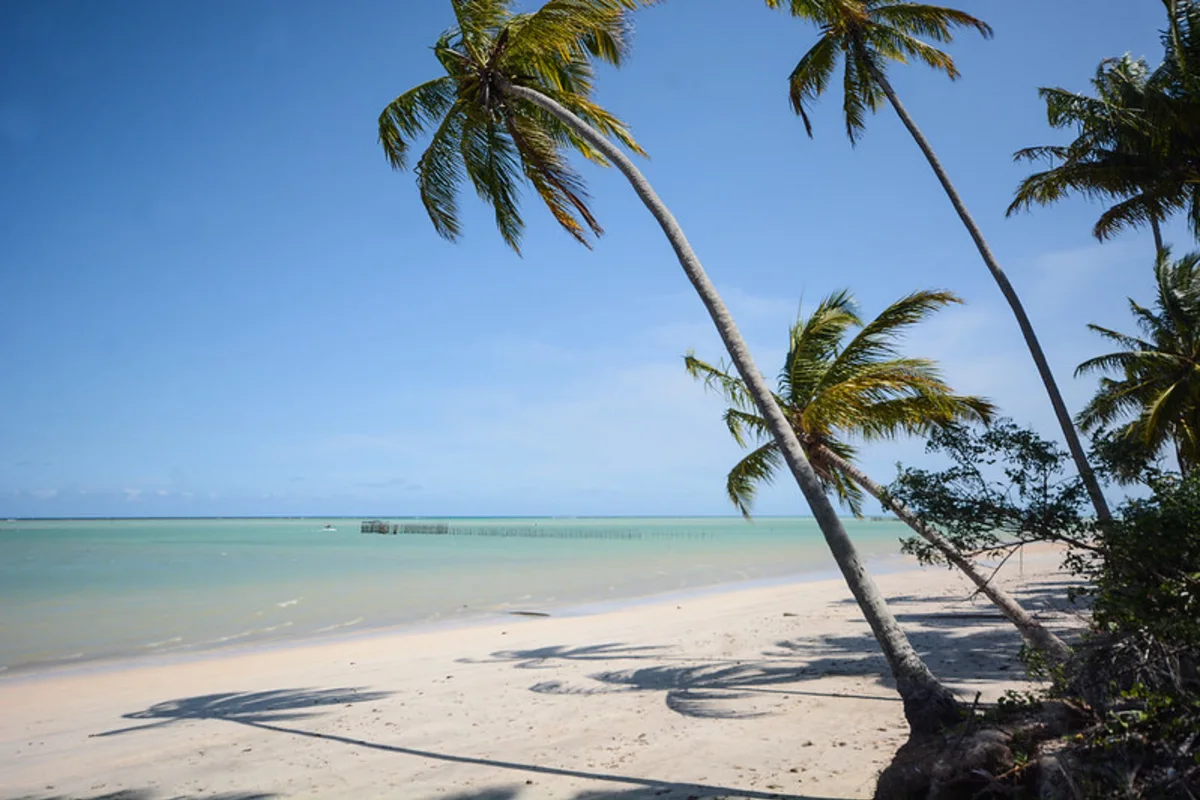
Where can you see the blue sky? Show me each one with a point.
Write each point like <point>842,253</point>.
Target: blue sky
<point>218,299</point>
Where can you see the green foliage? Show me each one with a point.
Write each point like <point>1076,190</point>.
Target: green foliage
<point>497,141</point>
<point>868,34</point>
<point>1138,138</point>
<point>1005,487</point>
<point>1135,679</point>
<point>1014,701</point>
<point>1148,581</point>
<point>831,388</point>
<point>1159,383</point>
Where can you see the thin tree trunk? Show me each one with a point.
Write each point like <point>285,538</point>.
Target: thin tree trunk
<point>1035,348</point>
<point>928,705</point>
<point>1033,632</point>
<point>1158,242</point>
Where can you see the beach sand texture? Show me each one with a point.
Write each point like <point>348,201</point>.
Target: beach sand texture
<point>755,693</point>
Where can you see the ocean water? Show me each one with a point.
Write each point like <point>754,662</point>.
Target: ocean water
<point>76,591</point>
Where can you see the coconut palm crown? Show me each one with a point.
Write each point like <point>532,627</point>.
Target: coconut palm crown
<point>868,34</point>
<point>498,141</point>
<point>1125,151</point>
<point>831,389</point>
<point>1159,383</point>
<point>1138,142</point>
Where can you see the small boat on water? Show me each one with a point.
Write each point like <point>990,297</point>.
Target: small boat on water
<point>329,528</point>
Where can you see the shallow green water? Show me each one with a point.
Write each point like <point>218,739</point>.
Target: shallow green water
<point>81,590</point>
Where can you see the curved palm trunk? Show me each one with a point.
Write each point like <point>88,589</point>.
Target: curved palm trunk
<point>1156,229</point>
<point>928,705</point>
<point>1014,302</point>
<point>1033,632</point>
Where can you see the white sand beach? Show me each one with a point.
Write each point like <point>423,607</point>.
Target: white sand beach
<point>752,693</point>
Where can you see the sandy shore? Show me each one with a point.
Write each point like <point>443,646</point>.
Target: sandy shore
<point>757,693</point>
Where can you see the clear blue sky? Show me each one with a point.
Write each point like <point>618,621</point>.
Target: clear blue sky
<point>218,299</point>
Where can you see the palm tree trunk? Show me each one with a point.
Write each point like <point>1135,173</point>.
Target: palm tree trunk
<point>1033,632</point>
<point>1158,242</point>
<point>928,705</point>
<point>1035,348</point>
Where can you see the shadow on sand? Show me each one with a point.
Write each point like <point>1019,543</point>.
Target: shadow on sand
<point>147,794</point>
<point>266,710</point>
<point>514,793</point>
<point>964,644</point>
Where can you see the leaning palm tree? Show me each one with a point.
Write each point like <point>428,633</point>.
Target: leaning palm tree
<point>515,99</point>
<point>1118,155</point>
<point>868,34</point>
<point>830,390</point>
<point>1159,383</point>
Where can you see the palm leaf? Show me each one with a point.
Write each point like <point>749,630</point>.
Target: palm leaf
<point>741,422</point>
<point>814,344</point>
<point>935,22</point>
<point>879,338</point>
<point>408,115</point>
<point>741,485</point>
<point>811,76</point>
<point>559,186</point>
<point>439,173</point>
<point>494,167</point>
<point>571,28</point>
<point>719,379</point>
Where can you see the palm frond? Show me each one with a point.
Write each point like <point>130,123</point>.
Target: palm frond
<point>494,167</point>
<point>1142,209</point>
<point>741,485</point>
<point>408,115</point>
<point>879,339</point>
<point>894,45</point>
<point>439,174</point>
<point>811,77</point>
<point>572,28</point>
<point>558,185</point>
<point>740,423</point>
<point>479,21</point>
<point>858,94</point>
<point>935,22</point>
<point>813,345</point>
<point>594,115</point>
<point>720,380</point>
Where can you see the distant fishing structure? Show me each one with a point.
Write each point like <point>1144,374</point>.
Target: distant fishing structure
<point>536,530</point>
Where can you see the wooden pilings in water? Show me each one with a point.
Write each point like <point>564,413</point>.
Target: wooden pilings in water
<point>534,531</point>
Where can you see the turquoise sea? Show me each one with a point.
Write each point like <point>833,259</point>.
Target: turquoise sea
<point>78,591</point>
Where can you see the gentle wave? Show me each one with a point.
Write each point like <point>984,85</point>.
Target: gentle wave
<point>337,625</point>
<point>252,632</point>
<point>287,603</point>
<point>164,642</point>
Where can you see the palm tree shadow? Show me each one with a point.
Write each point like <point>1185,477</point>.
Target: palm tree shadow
<point>969,646</point>
<point>146,794</point>
<point>538,658</point>
<point>647,793</point>
<point>964,644</point>
<point>278,705</point>
<point>705,690</point>
<point>266,710</point>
